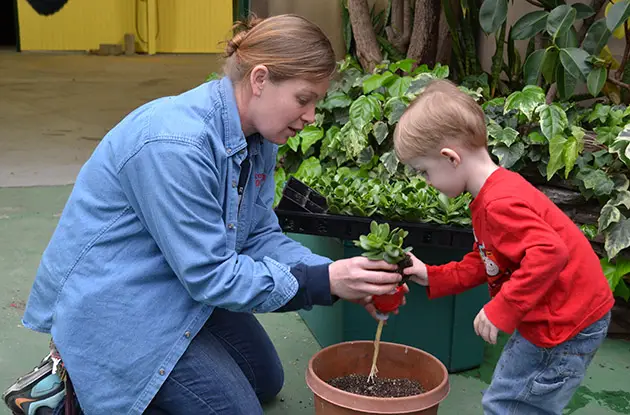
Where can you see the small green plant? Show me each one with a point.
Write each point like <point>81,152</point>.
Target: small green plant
<point>381,243</point>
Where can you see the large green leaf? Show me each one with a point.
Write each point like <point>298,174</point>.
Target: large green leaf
<point>390,161</point>
<point>583,11</point>
<point>311,167</point>
<point>595,80</point>
<point>618,14</point>
<point>607,135</point>
<point>607,216</point>
<point>568,39</point>
<point>615,272</point>
<point>365,156</point>
<point>622,290</point>
<point>526,100</point>
<point>618,238</point>
<point>378,80</point>
<point>400,86</point>
<point>566,83</point>
<point>596,180</point>
<point>533,66</point>
<point>553,120</point>
<point>556,155</point>
<point>394,109</point>
<point>550,61</point>
<point>575,63</point>
<point>310,135</point>
<point>560,20</point>
<point>492,14</point>
<point>294,142</point>
<point>597,37</point>
<point>336,99</point>
<point>508,156</point>
<point>380,131</point>
<point>529,25</point>
<point>364,110</point>
<point>621,198</point>
<point>571,153</point>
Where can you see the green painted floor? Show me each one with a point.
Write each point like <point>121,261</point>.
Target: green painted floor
<point>28,217</point>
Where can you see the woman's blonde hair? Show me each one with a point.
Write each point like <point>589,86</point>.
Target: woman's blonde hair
<point>441,115</point>
<point>289,46</point>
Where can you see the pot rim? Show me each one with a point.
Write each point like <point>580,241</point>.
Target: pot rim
<point>372,404</point>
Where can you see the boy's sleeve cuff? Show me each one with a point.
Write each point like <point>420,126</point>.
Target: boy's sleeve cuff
<point>502,314</point>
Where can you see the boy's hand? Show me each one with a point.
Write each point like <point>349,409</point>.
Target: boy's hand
<point>417,271</point>
<point>485,328</point>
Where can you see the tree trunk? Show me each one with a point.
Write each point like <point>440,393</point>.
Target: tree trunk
<point>399,32</point>
<point>367,48</point>
<point>424,38</point>
<point>445,41</point>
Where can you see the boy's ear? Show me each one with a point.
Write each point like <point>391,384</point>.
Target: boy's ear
<point>451,155</point>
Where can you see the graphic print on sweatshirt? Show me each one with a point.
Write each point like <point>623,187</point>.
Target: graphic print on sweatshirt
<point>496,275</point>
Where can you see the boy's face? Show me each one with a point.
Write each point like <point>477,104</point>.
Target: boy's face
<point>442,171</point>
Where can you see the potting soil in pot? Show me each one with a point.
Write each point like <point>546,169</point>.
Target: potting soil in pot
<point>378,387</point>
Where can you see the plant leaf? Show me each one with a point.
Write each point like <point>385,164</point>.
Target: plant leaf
<point>492,14</point>
<point>571,153</point>
<point>529,25</point>
<point>618,238</point>
<point>596,38</point>
<point>622,290</point>
<point>310,135</point>
<point>560,20</point>
<point>556,155</point>
<point>595,80</point>
<point>390,161</point>
<point>279,177</point>
<point>550,61</point>
<point>607,216</point>
<point>526,100</point>
<point>394,109</point>
<point>365,156</point>
<point>294,142</point>
<point>568,39</point>
<point>380,131</point>
<point>533,66</point>
<point>566,82</point>
<point>553,120</point>
<point>364,110</point>
<point>508,156</point>
<point>574,61</point>
<point>400,86</point>
<point>617,15</point>
<point>336,99</point>
<point>598,181</point>
<point>377,80</point>
<point>583,11</point>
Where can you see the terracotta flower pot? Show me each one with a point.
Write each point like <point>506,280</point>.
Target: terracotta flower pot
<point>394,361</point>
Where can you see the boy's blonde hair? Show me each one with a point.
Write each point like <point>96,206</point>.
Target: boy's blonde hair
<point>441,114</point>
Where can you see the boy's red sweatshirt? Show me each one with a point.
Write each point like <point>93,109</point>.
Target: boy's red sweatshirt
<point>544,277</point>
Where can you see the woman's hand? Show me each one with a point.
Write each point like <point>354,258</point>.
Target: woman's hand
<point>358,277</point>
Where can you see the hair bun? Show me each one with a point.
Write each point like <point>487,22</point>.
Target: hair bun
<point>240,28</point>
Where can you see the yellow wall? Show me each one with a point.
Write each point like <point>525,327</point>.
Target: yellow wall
<point>197,26</point>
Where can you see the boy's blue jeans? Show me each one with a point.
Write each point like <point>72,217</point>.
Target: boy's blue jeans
<point>229,368</point>
<point>533,380</point>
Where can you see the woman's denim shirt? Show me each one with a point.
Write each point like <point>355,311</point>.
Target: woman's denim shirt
<point>152,240</point>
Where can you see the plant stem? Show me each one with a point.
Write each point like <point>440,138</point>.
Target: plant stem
<point>551,94</point>
<point>535,3</point>
<point>619,83</point>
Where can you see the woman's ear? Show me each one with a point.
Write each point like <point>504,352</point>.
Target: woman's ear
<point>452,156</point>
<point>257,79</point>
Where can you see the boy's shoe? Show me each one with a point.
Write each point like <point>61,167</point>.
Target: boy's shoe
<point>36,393</point>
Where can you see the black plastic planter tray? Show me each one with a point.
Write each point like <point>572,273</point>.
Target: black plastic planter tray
<point>351,227</point>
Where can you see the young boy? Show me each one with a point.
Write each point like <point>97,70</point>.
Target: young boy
<point>546,283</point>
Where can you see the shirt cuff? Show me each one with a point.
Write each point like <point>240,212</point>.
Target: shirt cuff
<point>313,288</point>
<point>502,314</point>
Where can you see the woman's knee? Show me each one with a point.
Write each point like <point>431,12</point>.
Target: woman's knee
<point>269,385</point>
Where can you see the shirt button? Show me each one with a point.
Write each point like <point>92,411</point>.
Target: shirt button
<point>234,183</point>
<point>230,226</point>
<point>162,372</point>
<point>229,150</point>
<point>187,334</point>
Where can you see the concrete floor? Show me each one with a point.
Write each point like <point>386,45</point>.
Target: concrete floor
<point>54,109</point>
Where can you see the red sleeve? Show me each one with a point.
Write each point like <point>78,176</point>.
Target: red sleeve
<point>456,277</point>
<point>520,235</point>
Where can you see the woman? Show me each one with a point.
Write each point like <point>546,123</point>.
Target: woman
<point>168,243</point>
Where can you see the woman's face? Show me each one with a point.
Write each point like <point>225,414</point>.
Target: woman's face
<point>279,110</point>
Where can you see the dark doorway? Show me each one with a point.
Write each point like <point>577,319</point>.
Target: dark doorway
<point>8,25</point>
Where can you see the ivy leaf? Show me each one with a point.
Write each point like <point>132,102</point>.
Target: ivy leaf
<point>590,231</point>
<point>400,86</point>
<point>556,155</point>
<point>622,290</point>
<point>615,272</point>
<point>595,80</point>
<point>380,131</point>
<point>364,110</point>
<point>571,153</point>
<point>607,216</point>
<point>550,61</point>
<point>620,145</point>
<point>618,238</point>
<point>390,161</point>
<point>294,142</point>
<point>406,65</point>
<point>492,14</point>
<point>508,156</point>
<point>310,135</point>
<point>533,66</point>
<point>553,119</point>
<point>574,61</point>
<point>600,112</point>
<point>607,135</point>
<point>596,180</point>
<point>621,198</point>
<point>566,82</point>
<point>596,38</point>
<point>529,25</point>
<point>440,71</point>
<point>394,109</point>
<point>377,80</point>
<point>537,138</point>
<point>621,181</point>
<point>560,20</point>
<point>336,99</point>
<point>617,15</point>
<point>583,11</point>
<point>311,167</point>
<point>526,100</point>
<point>365,156</point>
